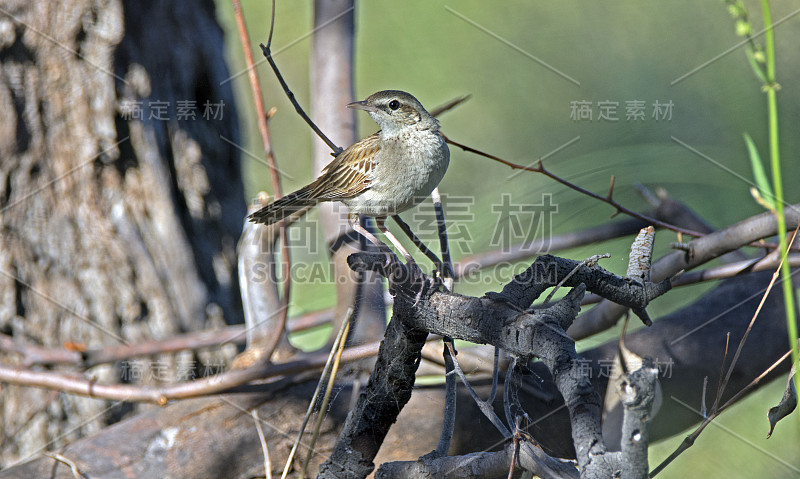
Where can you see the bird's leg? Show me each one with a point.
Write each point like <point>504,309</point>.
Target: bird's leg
<point>363,232</point>
<point>410,263</point>
<point>416,273</point>
<point>418,243</point>
<point>370,237</point>
<point>380,222</point>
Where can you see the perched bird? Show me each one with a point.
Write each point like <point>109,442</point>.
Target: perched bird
<point>382,175</point>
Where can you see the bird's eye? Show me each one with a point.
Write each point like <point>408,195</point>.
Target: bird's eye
<point>394,104</point>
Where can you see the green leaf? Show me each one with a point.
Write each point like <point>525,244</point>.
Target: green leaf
<point>759,175</point>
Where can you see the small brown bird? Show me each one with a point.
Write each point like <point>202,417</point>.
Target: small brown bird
<point>382,175</point>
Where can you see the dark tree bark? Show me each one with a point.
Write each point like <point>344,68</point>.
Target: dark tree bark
<point>683,355</point>
<point>119,211</point>
<point>416,432</point>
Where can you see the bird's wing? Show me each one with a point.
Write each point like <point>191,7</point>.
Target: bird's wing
<point>348,175</point>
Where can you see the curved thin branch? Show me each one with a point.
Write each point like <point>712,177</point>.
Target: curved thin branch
<point>271,341</point>
<point>605,199</point>
<point>690,439</point>
<point>77,384</point>
<point>265,50</point>
<point>699,251</point>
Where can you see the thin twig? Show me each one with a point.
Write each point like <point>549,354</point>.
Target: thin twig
<point>484,406</point>
<point>689,440</point>
<point>264,446</point>
<point>590,261</point>
<point>772,280</point>
<point>266,50</point>
<point>703,409</point>
<point>731,270</point>
<point>507,389</point>
<point>263,129</point>
<point>258,101</point>
<point>324,406</point>
<point>76,384</point>
<point>495,374</point>
<point>605,199</point>
<point>447,273</point>
<point>449,105</point>
<point>611,187</point>
<point>344,327</point>
<point>76,473</point>
<point>515,444</point>
<point>449,420</point>
<point>33,354</point>
<point>722,371</point>
<point>418,242</point>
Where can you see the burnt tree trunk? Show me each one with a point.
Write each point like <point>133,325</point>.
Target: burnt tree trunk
<point>121,199</point>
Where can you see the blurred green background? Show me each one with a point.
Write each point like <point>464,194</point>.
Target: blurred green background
<point>525,64</point>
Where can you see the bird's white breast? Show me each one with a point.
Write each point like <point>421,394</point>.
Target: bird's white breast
<point>410,165</point>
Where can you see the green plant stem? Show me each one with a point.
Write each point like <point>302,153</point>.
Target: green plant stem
<point>775,162</point>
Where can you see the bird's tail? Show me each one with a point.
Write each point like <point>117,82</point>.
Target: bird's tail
<point>285,206</point>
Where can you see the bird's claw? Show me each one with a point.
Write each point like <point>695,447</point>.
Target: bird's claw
<point>418,278</point>
<point>389,261</point>
<point>411,274</point>
<point>428,282</point>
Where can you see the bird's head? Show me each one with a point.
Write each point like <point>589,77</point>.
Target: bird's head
<point>394,110</point>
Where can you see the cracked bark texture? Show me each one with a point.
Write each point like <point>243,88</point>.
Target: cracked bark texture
<point>500,319</point>
<point>113,228</point>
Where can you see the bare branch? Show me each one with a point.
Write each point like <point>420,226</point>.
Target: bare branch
<point>605,199</point>
<point>690,439</point>
<point>269,341</point>
<point>702,250</point>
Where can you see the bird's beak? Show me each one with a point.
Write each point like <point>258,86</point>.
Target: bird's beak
<point>362,105</point>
